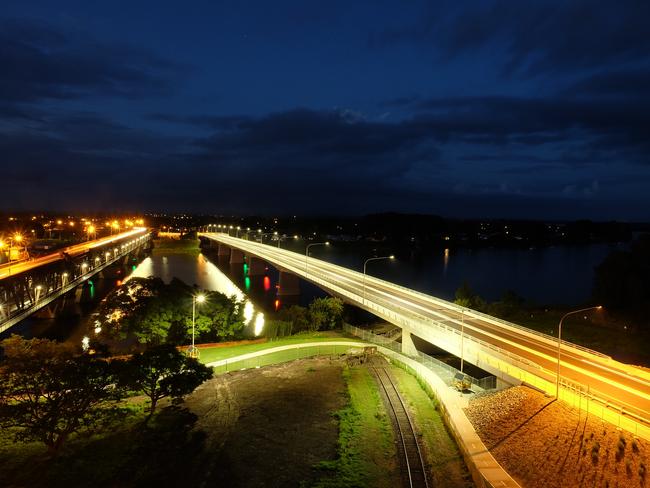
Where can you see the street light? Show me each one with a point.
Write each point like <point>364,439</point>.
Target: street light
<point>200,298</point>
<point>237,232</point>
<point>364,272</point>
<point>559,344</point>
<point>326,243</point>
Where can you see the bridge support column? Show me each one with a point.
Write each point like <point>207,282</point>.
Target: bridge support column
<point>236,256</point>
<point>223,250</point>
<point>288,284</point>
<point>408,347</point>
<point>256,267</point>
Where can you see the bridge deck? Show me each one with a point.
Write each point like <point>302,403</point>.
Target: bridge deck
<point>531,355</point>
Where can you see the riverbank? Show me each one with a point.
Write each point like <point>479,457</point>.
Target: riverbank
<point>176,246</point>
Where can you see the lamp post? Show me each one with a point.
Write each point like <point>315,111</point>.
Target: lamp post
<point>237,231</point>
<point>192,351</point>
<point>559,344</point>
<point>462,339</point>
<point>281,238</point>
<point>364,272</point>
<point>326,243</point>
<point>262,234</point>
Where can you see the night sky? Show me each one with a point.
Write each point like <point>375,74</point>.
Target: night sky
<point>464,109</point>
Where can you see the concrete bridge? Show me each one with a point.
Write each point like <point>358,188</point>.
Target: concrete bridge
<point>30,286</point>
<point>616,392</point>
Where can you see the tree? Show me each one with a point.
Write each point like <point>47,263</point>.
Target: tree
<point>326,313</point>
<point>154,312</point>
<point>296,315</point>
<point>465,297</point>
<point>163,371</point>
<point>48,392</point>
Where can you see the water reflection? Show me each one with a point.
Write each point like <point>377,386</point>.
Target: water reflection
<point>199,271</point>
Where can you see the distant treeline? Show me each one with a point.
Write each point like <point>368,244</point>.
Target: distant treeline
<point>416,230</point>
<point>622,281</point>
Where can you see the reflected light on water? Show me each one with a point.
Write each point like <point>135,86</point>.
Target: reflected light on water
<point>249,311</point>
<point>446,259</point>
<point>259,324</point>
<point>206,275</point>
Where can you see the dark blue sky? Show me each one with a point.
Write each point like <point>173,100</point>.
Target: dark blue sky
<point>470,109</point>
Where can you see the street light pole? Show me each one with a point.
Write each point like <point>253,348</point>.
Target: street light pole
<point>364,273</point>
<point>462,339</point>
<point>559,344</point>
<point>326,243</point>
<point>196,299</point>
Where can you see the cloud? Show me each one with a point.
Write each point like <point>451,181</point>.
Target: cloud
<point>533,37</point>
<point>44,62</point>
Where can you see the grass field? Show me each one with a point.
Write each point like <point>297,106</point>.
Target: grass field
<point>211,354</point>
<point>366,452</point>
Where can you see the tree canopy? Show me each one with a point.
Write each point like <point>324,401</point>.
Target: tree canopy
<point>49,392</point>
<point>163,371</point>
<point>154,313</point>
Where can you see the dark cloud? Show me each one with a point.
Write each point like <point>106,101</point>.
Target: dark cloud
<point>535,36</point>
<point>230,122</point>
<point>630,84</point>
<point>45,63</point>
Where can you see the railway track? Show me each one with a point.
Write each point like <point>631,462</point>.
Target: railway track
<point>408,445</point>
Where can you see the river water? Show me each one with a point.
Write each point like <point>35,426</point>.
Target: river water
<point>548,275</point>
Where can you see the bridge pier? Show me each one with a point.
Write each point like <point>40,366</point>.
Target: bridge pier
<point>223,250</point>
<point>288,284</point>
<point>408,347</point>
<point>256,267</point>
<point>236,256</point>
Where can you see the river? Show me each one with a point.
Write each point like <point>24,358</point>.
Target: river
<point>546,275</point>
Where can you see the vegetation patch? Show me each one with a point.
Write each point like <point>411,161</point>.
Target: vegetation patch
<point>366,454</point>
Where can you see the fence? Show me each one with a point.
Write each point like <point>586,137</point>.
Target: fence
<point>443,370</point>
<point>290,353</point>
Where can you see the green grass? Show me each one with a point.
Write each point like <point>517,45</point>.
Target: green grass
<point>211,354</point>
<point>445,460</point>
<point>366,453</point>
<point>282,357</point>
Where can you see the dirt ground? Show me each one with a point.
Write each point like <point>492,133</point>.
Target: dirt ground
<point>544,443</point>
<point>269,426</point>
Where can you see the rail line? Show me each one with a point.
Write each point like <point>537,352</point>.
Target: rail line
<point>415,467</point>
